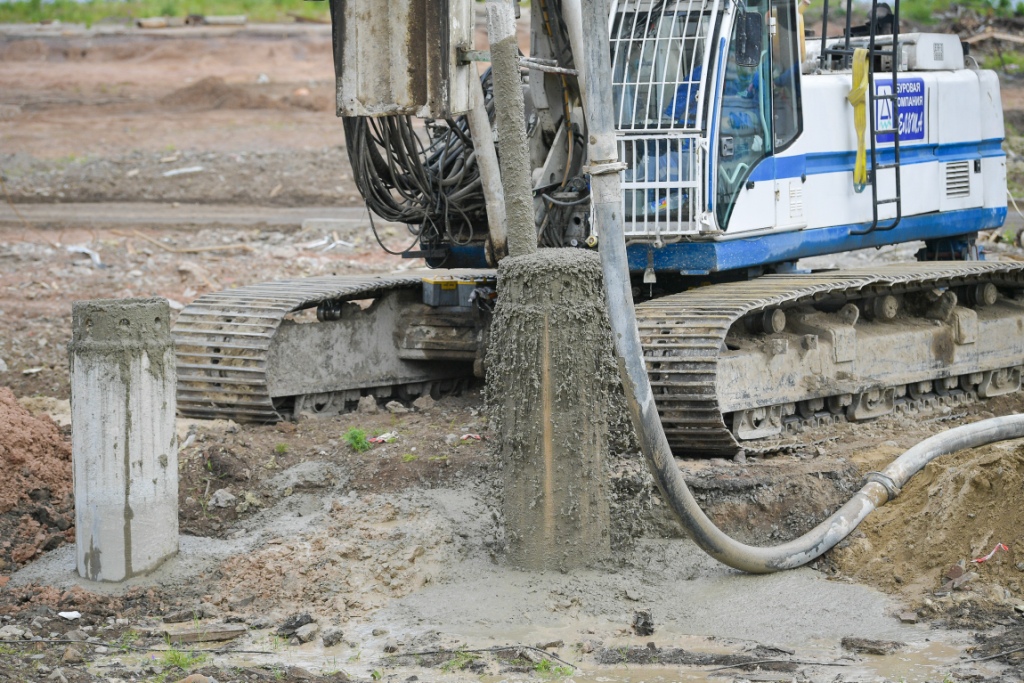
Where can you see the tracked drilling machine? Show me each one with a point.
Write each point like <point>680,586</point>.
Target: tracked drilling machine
<point>749,143</point>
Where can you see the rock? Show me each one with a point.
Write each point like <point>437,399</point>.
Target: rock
<point>866,646</point>
<point>740,457</point>
<point>57,676</point>
<point>643,622</point>
<point>183,615</point>
<point>550,645</point>
<point>294,623</point>
<point>908,617</point>
<point>367,405</point>
<point>11,632</point>
<point>222,498</point>
<point>396,408</point>
<point>3,365</point>
<point>422,404</point>
<point>101,649</point>
<point>72,656</point>
<point>307,632</point>
<point>332,637</point>
<point>634,595</point>
<point>259,621</point>
<point>591,645</point>
<point>78,635</point>
<point>391,646</point>
<point>379,632</point>
<point>197,678</point>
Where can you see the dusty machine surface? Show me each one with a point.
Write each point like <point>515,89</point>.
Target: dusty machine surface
<point>748,145</point>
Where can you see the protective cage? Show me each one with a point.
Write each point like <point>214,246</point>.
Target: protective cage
<point>659,56</point>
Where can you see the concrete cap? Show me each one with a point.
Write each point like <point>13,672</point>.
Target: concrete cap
<point>124,322</point>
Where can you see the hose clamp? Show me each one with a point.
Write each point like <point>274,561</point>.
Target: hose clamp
<point>602,168</point>
<point>891,489</point>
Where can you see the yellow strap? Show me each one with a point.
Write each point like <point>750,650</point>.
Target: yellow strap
<point>858,98</point>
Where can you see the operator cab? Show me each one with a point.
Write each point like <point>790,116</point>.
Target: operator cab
<point>689,154</point>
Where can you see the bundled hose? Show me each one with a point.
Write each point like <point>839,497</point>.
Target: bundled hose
<point>432,185</point>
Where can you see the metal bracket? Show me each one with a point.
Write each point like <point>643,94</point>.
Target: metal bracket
<point>467,55</point>
<point>605,167</point>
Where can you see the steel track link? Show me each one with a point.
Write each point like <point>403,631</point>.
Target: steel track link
<point>221,341</point>
<point>684,334</point>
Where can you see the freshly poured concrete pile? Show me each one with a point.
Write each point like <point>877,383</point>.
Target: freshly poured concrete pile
<point>124,449</point>
<point>548,388</point>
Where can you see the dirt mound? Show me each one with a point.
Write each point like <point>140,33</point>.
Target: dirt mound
<point>958,508</point>
<point>27,50</point>
<point>35,490</point>
<point>33,454</point>
<point>213,92</point>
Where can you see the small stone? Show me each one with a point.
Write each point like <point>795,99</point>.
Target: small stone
<point>11,632</point>
<point>78,635</point>
<point>1019,609</point>
<point>590,645</point>
<point>222,498</point>
<point>550,645</point>
<point>740,457</point>
<point>101,650</point>
<point>451,439</point>
<point>332,637</point>
<point>395,408</point>
<point>294,623</point>
<point>183,615</point>
<point>391,646</point>
<point>423,403</point>
<point>379,632</point>
<point>908,617</point>
<point>72,656</point>
<point>634,595</point>
<point>867,646</point>
<point>367,405</point>
<point>643,622</point>
<point>307,632</point>
<point>3,365</point>
<point>57,676</point>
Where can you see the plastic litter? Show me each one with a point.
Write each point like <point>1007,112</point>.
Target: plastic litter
<point>986,558</point>
<point>387,437</point>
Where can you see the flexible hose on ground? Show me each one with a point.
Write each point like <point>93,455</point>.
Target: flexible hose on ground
<point>606,197</point>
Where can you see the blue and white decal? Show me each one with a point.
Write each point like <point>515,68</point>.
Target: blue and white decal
<point>911,97</point>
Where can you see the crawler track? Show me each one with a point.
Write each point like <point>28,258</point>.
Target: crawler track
<point>684,336</point>
<point>222,341</point>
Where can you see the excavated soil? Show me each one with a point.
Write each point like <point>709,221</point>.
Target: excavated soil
<point>955,510</point>
<point>36,512</point>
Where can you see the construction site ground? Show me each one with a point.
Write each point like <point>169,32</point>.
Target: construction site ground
<point>174,163</point>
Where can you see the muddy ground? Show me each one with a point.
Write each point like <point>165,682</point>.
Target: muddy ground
<point>122,152</point>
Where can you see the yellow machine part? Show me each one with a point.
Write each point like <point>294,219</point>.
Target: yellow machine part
<point>858,98</point>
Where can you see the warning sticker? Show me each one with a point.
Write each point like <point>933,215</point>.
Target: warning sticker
<point>911,97</point>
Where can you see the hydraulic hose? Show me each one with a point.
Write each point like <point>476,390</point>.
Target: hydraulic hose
<point>880,487</point>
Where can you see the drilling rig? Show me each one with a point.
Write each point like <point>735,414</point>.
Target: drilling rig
<point>749,142</point>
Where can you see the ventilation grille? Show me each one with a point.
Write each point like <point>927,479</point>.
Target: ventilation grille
<point>796,202</point>
<point>958,179</point>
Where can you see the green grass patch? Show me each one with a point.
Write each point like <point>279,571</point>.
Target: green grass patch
<point>89,13</point>
<point>183,660</point>
<point>356,439</point>
<point>281,448</point>
<point>459,662</point>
